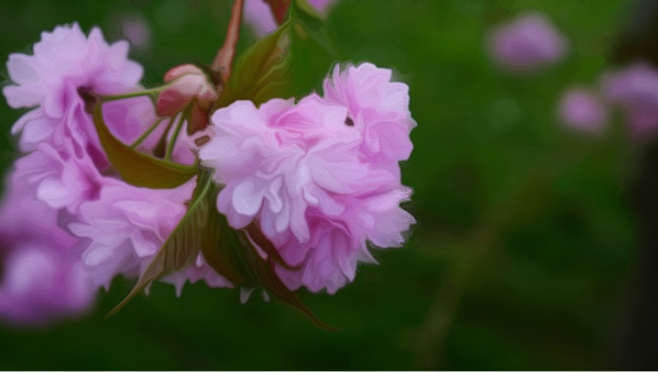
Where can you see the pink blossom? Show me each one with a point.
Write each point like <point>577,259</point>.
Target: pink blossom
<point>42,279</point>
<point>581,109</point>
<point>136,30</point>
<point>259,16</point>
<point>126,226</point>
<point>527,43</point>
<point>635,89</point>
<point>321,177</point>
<point>40,283</point>
<point>64,62</point>
<point>378,110</point>
<point>106,227</point>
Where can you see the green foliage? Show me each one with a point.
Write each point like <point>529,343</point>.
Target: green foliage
<point>265,71</point>
<point>230,252</point>
<point>290,62</point>
<point>529,282</point>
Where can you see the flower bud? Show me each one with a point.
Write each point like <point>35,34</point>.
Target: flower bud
<point>187,83</point>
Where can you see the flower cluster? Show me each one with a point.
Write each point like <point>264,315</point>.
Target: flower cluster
<point>531,42</point>
<point>321,177</point>
<point>69,225</point>
<point>633,89</point>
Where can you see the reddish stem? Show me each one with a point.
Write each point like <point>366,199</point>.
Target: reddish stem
<point>224,58</point>
<point>280,9</point>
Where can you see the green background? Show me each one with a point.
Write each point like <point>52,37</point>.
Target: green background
<point>522,255</point>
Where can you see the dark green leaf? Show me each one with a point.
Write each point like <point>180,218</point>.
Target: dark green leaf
<point>267,278</point>
<point>135,167</point>
<point>256,234</point>
<point>183,245</point>
<point>291,62</point>
<point>238,255</point>
<point>262,72</point>
<point>233,255</point>
<point>228,251</point>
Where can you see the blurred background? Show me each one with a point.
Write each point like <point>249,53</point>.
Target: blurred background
<point>536,195</point>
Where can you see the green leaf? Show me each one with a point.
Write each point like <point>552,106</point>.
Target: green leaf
<point>231,253</point>
<point>263,270</point>
<point>136,168</point>
<point>262,72</point>
<point>237,257</point>
<point>184,243</point>
<point>291,62</point>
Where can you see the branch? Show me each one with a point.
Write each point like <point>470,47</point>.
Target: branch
<point>224,58</point>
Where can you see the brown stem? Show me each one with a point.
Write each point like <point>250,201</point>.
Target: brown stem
<point>224,58</point>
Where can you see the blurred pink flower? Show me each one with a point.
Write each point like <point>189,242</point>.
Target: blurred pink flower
<point>635,90</point>
<point>258,14</point>
<point>136,30</point>
<point>40,283</point>
<point>527,43</point>
<point>581,109</point>
<point>42,278</point>
<point>321,177</point>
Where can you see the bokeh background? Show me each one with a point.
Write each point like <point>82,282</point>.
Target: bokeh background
<point>531,249</point>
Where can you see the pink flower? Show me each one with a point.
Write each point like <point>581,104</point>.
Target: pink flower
<point>126,226</point>
<point>64,62</point>
<point>104,226</point>
<point>42,279</point>
<point>527,43</point>
<point>378,109</point>
<point>40,283</point>
<point>635,89</point>
<point>259,16</point>
<point>321,177</point>
<point>582,110</point>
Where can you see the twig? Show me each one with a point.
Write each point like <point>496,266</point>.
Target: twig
<point>224,58</point>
